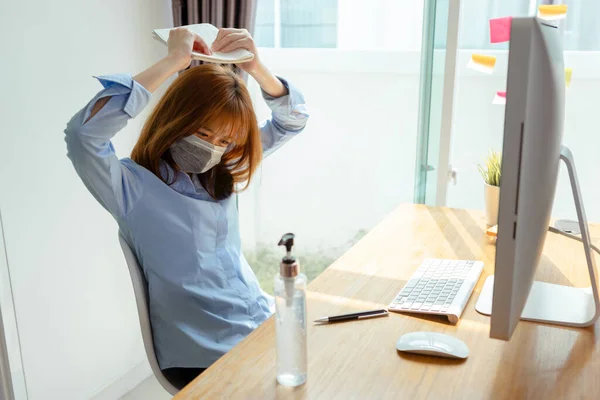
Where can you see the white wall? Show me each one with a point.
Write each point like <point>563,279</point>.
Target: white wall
<point>74,303</point>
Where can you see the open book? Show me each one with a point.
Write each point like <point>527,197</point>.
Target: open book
<point>208,33</point>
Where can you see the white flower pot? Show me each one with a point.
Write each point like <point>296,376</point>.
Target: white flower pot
<point>492,201</point>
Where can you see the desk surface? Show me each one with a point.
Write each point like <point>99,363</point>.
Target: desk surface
<point>359,360</point>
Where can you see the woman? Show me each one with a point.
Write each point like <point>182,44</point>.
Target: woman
<point>173,198</point>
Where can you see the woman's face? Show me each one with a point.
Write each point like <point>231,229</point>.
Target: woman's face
<point>213,136</point>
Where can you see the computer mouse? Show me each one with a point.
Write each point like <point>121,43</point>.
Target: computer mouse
<point>433,344</point>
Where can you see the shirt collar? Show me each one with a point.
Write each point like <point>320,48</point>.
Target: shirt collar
<point>183,184</point>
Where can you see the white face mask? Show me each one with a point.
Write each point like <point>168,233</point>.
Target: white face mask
<point>196,156</point>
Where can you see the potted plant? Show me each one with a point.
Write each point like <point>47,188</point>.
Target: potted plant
<point>491,176</point>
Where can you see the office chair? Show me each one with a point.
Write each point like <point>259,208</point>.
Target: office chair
<point>171,384</point>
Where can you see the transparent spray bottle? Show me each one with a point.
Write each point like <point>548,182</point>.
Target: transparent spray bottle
<point>290,322</point>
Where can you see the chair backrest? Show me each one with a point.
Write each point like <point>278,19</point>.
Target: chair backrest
<point>140,289</point>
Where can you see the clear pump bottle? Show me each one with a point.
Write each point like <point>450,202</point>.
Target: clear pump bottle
<point>290,322</point>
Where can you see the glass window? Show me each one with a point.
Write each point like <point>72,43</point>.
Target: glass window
<point>264,27</point>
<point>297,23</point>
<point>478,125</point>
<point>354,163</point>
<point>475,16</point>
<point>309,23</point>
<point>581,27</point>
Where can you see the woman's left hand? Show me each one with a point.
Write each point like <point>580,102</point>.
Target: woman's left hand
<point>229,39</point>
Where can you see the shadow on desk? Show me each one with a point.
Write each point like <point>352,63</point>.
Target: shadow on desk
<point>372,287</point>
<point>521,366</point>
<point>425,359</point>
<point>453,223</point>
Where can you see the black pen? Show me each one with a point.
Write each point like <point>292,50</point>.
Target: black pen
<point>360,315</point>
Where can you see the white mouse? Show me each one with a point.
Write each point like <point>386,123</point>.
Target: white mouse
<point>433,344</point>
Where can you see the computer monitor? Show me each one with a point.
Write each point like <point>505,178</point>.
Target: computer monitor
<point>531,153</point>
<point>533,130</point>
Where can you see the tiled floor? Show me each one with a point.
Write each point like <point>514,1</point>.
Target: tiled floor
<point>149,389</point>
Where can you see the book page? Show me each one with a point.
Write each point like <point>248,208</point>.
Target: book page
<point>208,33</point>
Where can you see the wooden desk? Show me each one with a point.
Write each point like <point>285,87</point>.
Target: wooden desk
<point>359,360</point>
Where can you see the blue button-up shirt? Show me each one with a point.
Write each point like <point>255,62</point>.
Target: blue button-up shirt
<point>204,297</point>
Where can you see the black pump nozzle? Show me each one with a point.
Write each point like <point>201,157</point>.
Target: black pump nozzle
<point>287,240</point>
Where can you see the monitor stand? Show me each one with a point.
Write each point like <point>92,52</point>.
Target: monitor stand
<point>558,304</point>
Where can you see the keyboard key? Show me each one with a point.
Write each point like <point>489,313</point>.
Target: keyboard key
<point>416,306</point>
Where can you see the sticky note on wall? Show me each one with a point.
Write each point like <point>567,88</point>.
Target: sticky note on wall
<point>499,98</point>
<point>552,12</point>
<point>500,29</point>
<point>568,75</point>
<point>482,63</point>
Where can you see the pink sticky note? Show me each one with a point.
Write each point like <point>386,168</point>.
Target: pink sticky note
<point>500,29</point>
<point>499,98</point>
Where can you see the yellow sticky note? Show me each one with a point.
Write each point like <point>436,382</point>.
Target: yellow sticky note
<point>552,12</point>
<point>568,75</point>
<point>482,63</point>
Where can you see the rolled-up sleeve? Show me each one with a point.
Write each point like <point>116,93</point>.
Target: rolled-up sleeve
<point>288,118</point>
<point>114,184</point>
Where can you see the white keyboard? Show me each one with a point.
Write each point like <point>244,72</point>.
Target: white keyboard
<point>440,287</point>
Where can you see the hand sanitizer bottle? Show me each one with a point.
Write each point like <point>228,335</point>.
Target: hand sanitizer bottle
<point>290,322</point>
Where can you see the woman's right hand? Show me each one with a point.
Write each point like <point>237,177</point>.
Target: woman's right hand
<point>181,43</point>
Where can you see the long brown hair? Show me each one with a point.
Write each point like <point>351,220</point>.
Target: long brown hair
<point>204,95</point>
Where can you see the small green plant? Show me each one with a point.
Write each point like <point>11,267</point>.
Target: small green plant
<point>491,171</point>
